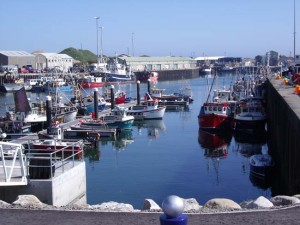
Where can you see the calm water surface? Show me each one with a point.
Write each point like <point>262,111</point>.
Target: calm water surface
<point>170,157</point>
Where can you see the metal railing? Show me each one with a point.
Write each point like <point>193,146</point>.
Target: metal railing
<point>10,154</point>
<point>21,164</point>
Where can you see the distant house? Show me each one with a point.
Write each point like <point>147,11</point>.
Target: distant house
<point>62,62</point>
<point>18,58</point>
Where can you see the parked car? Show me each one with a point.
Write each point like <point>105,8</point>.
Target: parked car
<point>23,70</point>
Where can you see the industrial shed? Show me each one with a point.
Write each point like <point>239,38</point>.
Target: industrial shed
<point>159,63</point>
<point>19,58</point>
<point>54,60</point>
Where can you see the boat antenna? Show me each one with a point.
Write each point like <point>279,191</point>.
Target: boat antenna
<point>211,86</point>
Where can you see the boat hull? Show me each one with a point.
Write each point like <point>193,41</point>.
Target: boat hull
<point>147,114</point>
<point>91,85</point>
<point>125,124</point>
<point>114,77</point>
<point>54,89</point>
<point>249,124</point>
<point>215,121</point>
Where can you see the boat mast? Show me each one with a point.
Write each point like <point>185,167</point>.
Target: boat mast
<point>295,31</point>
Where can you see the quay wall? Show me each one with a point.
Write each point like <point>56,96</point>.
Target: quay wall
<point>283,108</point>
<point>179,74</point>
<point>68,187</point>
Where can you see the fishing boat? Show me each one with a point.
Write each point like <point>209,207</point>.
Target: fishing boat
<point>150,110</point>
<point>103,130</point>
<point>118,119</point>
<point>216,114</point>
<point>116,72</point>
<point>120,96</point>
<point>57,84</point>
<point>61,147</point>
<point>250,115</point>
<point>91,82</point>
<point>158,93</point>
<point>260,164</point>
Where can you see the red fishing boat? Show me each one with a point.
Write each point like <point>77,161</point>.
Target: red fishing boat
<point>91,82</point>
<point>215,115</point>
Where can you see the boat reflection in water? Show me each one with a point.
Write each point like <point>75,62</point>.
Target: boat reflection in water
<point>123,140</point>
<point>215,146</point>
<point>250,144</point>
<point>154,127</point>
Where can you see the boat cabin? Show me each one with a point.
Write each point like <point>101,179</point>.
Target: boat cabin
<point>213,108</point>
<point>157,92</point>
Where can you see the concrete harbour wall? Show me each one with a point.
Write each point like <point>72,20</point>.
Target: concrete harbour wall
<point>165,75</point>
<point>284,128</point>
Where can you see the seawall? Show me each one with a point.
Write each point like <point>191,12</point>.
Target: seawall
<point>179,74</point>
<point>283,107</point>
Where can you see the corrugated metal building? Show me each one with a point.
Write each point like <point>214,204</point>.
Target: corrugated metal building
<point>159,63</point>
<point>19,58</point>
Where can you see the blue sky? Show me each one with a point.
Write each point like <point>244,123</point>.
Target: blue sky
<point>244,28</point>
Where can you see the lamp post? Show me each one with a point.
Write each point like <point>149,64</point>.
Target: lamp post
<point>132,43</point>
<point>97,18</point>
<point>101,46</point>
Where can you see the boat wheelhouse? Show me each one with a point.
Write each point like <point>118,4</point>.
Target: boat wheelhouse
<point>215,115</point>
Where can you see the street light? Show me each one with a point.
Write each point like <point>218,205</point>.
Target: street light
<point>97,18</point>
<point>101,55</point>
<point>132,43</point>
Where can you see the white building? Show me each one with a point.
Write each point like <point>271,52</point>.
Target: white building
<point>62,62</point>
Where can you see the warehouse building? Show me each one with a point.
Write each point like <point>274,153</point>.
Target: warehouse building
<point>62,62</point>
<point>159,63</point>
<point>18,58</point>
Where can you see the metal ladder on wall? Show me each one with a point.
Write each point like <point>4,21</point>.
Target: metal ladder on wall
<point>13,161</point>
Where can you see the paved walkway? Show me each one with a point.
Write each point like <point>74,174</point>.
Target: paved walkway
<point>288,216</point>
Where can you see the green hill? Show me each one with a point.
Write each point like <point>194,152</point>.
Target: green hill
<point>84,56</point>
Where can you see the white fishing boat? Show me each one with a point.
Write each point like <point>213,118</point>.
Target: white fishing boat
<point>151,110</point>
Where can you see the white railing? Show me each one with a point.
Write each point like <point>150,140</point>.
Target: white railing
<point>13,164</point>
<point>18,168</point>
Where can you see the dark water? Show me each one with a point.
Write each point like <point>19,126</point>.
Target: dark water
<point>170,157</point>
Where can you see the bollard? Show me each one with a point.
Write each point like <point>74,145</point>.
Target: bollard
<point>48,112</point>
<point>173,207</point>
<point>138,92</point>
<point>96,116</point>
<point>112,97</point>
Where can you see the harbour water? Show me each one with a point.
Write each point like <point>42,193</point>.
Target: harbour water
<point>171,157</point>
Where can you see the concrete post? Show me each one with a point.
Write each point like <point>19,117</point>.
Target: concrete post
<point>138,92</point>
<point>48,112</point>
<point>112,97</point>
<point>96,103</point>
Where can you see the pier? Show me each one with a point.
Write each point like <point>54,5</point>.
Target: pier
<point>283,107</point>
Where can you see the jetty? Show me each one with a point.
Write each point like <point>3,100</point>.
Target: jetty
<point>48,176</point>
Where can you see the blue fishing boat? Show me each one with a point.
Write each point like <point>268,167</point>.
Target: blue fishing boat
<point>57,85</point>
